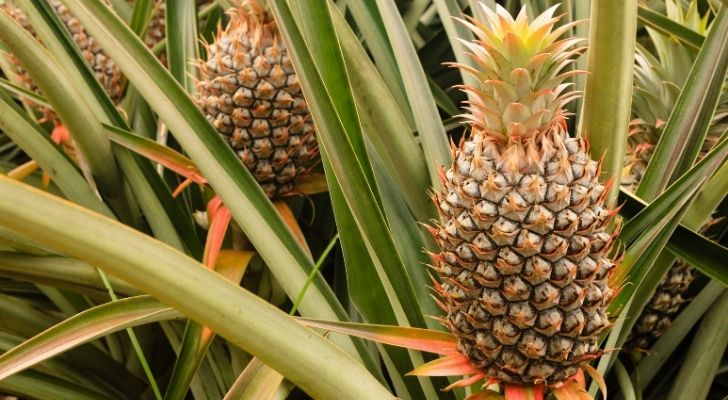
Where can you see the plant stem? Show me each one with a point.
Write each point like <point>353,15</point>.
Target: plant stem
<point>608,97</point>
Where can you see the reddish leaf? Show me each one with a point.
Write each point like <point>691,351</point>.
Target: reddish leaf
<point>454,364</point>
<point>465,382</point>
<point>412,338</point>
<point>220,219</point>
<point>524,392</point>
<point>486,395</point>
<point>156,152</point>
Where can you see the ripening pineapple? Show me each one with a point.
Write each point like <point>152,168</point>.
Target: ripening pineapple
<point>657,86</point>
<point>103,67</point>
<point>524,260</point>
<point>250,93</point>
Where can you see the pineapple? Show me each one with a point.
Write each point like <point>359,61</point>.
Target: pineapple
<point>103,67</point>
<point>657,86</point>
<point>524,249</point>
<point>250,93</point>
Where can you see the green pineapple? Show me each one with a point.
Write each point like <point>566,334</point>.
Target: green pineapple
<point>250,93</point>
<point>524,249</point>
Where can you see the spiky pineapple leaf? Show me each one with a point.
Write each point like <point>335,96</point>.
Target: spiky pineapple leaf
<point>344,147</point>
<point>670,28</point>
<point>156,152</point>
<point>38,385</point>
<point>183,39</point>
<point>369,294</point>
<point>369,20</point>
<point>60,272</point>
<point>429,126</point>
<point>27,321</point>
<point>70,106</point>
<point>257,382</point>
<point>197,338</point>
<point>383,122</point>
<point>141,13</point>
<point>83,328</point>
<point>679,192</point>
<point>427,340</point>
<point>234,313</point>
<point>687,127</point>
<point>699,251</point>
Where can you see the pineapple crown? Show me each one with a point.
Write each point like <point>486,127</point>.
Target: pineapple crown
<point>252,19</point>
<point>519,70</point>
<point>659,77</point>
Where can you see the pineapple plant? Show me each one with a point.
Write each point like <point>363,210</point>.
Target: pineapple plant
<point>658,80</point>
<point>524,247</point>
<point>249,91</point>
<point>523,264</point>
<point>103,66</point>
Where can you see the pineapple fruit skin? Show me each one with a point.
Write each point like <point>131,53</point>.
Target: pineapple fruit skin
<point>524,255</point>
<point>662,308</point>
<point>524,258</point>
<point>102,65</point>
<point>251,94</point>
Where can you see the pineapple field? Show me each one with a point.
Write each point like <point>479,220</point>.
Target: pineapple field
<point>363,199</point>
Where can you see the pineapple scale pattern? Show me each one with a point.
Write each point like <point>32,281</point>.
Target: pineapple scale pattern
<point>251,94</point>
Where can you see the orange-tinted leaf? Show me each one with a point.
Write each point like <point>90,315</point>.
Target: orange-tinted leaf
<point>412,338</point>
<point>215,235</point>
<point>156,152</point>
<point>598,378</point>
<point>570,391</point>
<point>292,223</point>
<point>232,264</point>
<point>465,382</point>
<point>311,184</point>
<point>524,392</point>
<point>486,395</point>
<point>23,171</point>
<point>454,364</point>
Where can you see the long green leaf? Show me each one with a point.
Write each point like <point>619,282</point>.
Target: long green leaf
<point>669,27</point>
<point>347,155</point>
<point>183,283</point>
<point>697,371</point>
<point>369,293</point>
<point>685,132</point>
<point>61,272</point>
<point>182,41</point>
<point>429,126</point>
<point>383,123</point>
<point>83,328</point>
<point>40,386</point>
